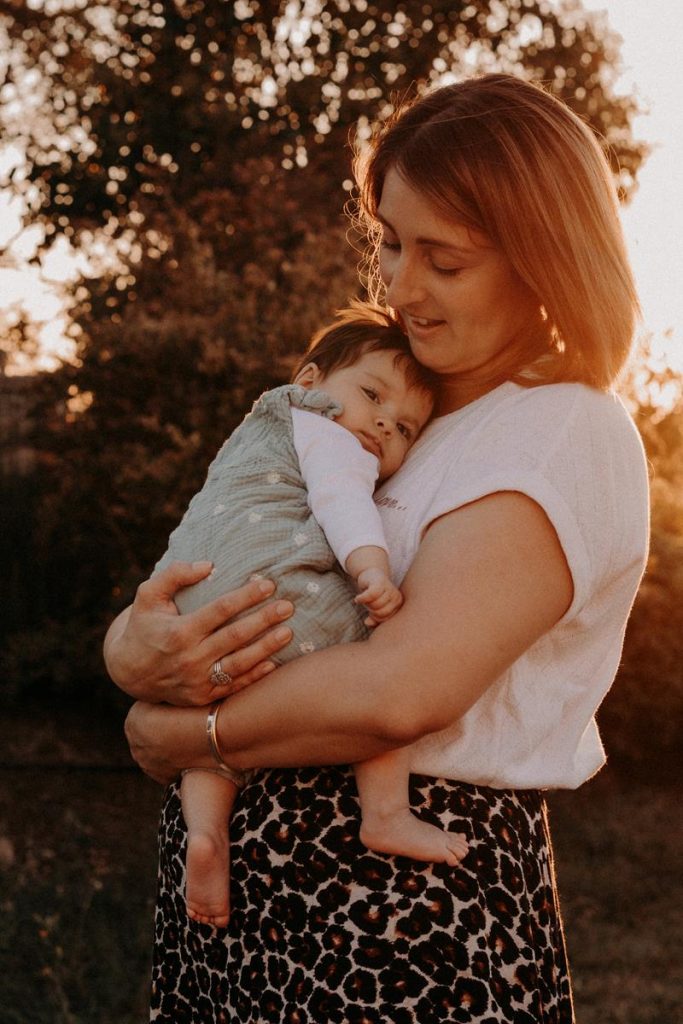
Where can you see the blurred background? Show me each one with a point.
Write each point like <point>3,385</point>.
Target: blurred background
<point>174,177</point>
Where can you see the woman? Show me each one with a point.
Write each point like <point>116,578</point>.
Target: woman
<point>522,512</point>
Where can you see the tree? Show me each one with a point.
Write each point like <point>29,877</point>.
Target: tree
<point>642,714</point>
<point>200,147</point>
<point>149,98</point>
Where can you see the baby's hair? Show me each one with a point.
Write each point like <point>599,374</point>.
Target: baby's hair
<point>361,328</point>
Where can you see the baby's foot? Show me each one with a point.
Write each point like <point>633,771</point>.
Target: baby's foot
<point>207,887</point>
<point>400,832</point>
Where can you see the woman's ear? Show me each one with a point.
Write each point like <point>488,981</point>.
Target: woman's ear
<point>309,376</point>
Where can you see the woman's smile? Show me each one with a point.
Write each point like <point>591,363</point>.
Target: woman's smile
<point>421,324</point>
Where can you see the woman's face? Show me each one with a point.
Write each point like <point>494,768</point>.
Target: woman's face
<point>458,296</point>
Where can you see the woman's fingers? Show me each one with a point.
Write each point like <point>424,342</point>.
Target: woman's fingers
<point>239,682</point>
<point>243,647</point>
<point>163,587</point>
<point>170,657</point>
<point>214,615</point>
<point>243,660</point>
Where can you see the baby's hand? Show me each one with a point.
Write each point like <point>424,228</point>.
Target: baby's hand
<point>378,594</point>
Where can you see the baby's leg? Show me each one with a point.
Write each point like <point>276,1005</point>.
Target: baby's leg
<point>388,825</point>
<point>207,801</point>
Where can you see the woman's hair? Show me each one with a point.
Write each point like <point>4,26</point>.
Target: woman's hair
<point>361,328</point>
<point>503,156</point>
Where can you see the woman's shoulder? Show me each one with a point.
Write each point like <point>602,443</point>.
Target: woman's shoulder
<point>573,412</point>
<point>560,431</point>
<point>569,398</point>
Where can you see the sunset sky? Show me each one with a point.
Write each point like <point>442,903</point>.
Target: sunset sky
<point>653,221</point>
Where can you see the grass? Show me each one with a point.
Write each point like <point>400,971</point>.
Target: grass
<point>77,866</point>
<point>618,852</point>
<point>78,851</point>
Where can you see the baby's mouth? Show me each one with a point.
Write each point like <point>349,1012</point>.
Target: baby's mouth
<point>371,444</point>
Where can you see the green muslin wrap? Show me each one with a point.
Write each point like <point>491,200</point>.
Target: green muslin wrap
<point>251,517</point>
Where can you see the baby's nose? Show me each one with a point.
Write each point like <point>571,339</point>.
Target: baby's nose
<point>384,423</point>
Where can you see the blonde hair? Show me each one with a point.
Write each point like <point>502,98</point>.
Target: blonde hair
<point>503,156</point>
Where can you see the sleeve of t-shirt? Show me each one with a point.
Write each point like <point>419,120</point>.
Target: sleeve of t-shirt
<point>575,453</point>
<point>340,478</point>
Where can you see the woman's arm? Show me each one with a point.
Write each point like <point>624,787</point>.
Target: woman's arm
<point>155,654</point>
<point>488,580</point>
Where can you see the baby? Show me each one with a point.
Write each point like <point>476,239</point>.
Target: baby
<point>289,496</point>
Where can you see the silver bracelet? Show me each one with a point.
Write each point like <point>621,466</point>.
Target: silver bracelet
<point>234,774</point>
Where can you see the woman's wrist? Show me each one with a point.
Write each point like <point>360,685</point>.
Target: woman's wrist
<point>240,778</point>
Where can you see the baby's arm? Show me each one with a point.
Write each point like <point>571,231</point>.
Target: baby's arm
<point>369,567</point>
<point>340,477</point>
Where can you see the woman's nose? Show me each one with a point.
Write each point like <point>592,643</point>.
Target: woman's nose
<point>402,284</point>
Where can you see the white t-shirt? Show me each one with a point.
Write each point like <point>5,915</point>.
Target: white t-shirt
<point>576,452</point>
<point>340,477</point>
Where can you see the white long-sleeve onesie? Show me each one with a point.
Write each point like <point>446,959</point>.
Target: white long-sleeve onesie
<point>340,477</point>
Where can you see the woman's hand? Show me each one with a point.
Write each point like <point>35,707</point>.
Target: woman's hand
<point>155,654</point>
<point>165,739</point>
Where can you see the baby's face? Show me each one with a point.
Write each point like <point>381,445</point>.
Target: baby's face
<point>381,409</point>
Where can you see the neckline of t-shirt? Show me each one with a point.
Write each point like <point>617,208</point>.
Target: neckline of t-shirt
<point>507,387</point>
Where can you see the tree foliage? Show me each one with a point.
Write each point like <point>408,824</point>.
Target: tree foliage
<point>197,153</point>
<point>151,97</point>
<point>643,714</point>
<point>128,112</point>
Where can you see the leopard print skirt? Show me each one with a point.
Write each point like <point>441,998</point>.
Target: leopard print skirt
<point>322,930</point>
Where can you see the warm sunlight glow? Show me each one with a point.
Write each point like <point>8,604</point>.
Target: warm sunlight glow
<point>653,221</point>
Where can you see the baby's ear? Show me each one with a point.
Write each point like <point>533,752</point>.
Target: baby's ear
<point>309,376</point>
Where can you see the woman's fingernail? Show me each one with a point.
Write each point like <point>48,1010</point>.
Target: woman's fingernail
<point>266,586</point>
<point>269,667</point>
<point>202,565</point>
<point>283,633</point>
<point>283,608</point>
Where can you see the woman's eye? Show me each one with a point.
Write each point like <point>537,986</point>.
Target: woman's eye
<point>372,394</point>
<point>446,271</point>
<point>392,246</point>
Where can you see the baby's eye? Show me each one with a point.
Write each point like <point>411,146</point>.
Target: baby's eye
<point>372,394</point>
<point>405,431</point>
